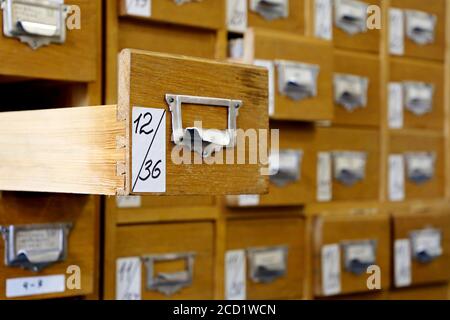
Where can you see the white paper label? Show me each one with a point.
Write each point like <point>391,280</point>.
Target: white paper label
<point>396,177</point>
<point>331,269</point>
<point>270,66</point>
<point>324,177</point>
<point>248,200</point>
<point>25,287</point>
<point>140,8</point>
<point>128,202</point>
<point>149,150</point>
<point>395,112</point>
<point>237,15</point>
<point>323,19</point>
<point>272,260</point>
<point>235,275</point>
<point>396,32</point>
<point>402,263</point>
<point>128,278</point>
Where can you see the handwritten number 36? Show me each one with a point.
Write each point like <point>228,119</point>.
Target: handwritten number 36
<point>151,171</point>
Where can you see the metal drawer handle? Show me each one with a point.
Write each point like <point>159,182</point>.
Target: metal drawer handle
<point>203,141</point>
<point>420,26</point>
<point>271,9</point>
<point>359,255</point>
<point>267,264</point>
<point>285,167</point>
<point>350,91</point>
<point>351,16</point>
<point>420,166</point>
<point>426,245</point>
<point>35,247</point>
<point>418,97</point>
<point>349,167</point>
<point>169,283</point>
<point>35,23</point>
<point>297,81</point>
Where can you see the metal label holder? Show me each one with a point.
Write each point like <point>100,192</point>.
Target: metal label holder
<point>298,81</point>
<point>418,97</point>
<point>203,141</point>
<point>420,166</point>
<point>420,26</point>
<point>35,247</point>
<point>426,245</point>
<point>37,23</point>
<point>349,167</point>
<point>267,264</point>
<point>169,283</point>
<point>285,167</point>
<point>271,9</point>
<point>359,255</point>
<point>350,91</point>
<point>351,16</point>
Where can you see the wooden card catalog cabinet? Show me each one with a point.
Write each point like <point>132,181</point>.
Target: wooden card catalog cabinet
<point>356,82</point>
<point>421,246</point>
<point>417,29</point>
<point>416,166</point>
<point>51,39</point>
<point>163,261</point>
<point>416,94</point>
<point>351,30</point>
<point>347,247</point>
<point>292,177</point>
<point>283,15</point>
<point>265,259</point>
<point>45,239</point>
<point>300,73</point>
<point>176,131</point>
<point>204,13</point>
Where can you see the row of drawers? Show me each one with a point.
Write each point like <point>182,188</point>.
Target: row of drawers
<point>260,254</point>
<point>309,80</point>
<point>344,164</point>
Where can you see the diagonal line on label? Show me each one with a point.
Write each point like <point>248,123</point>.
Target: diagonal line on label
<point>148,151</point>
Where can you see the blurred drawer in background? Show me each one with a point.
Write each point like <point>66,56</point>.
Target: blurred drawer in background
<point>416,166</point>
<point>348,164</point>
<point>417,28</point>
<point>300,73</point>
<point>283,15</point>
<point>265,258</point>
<point>356,89</point>
<point>345,247</point>
<point>416,94</point>
<point>350,26</point>
<point>50,245</point>
<point>421,245</point>
<point>293,167</point>
<point>71,55</point>
<point>207,14</point>
<point>163,261</point>
<point>186,33</point>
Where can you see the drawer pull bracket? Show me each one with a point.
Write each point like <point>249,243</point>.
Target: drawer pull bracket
<point>350,91</point>
<point>420,26</point>
<point>351,16</point>
<point>271,9</point>
<point>203,141</point>
<point>35,247</point>
<point>420,166</point>
<point>359,255</point>
<point>267,264</point>
<point>285,167</point>
<point>426,245</point>
<point>418,97</point>
<point>169,283</point>
<point>349,167</point>
<point>37,23</point>
<point>298,81</point>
